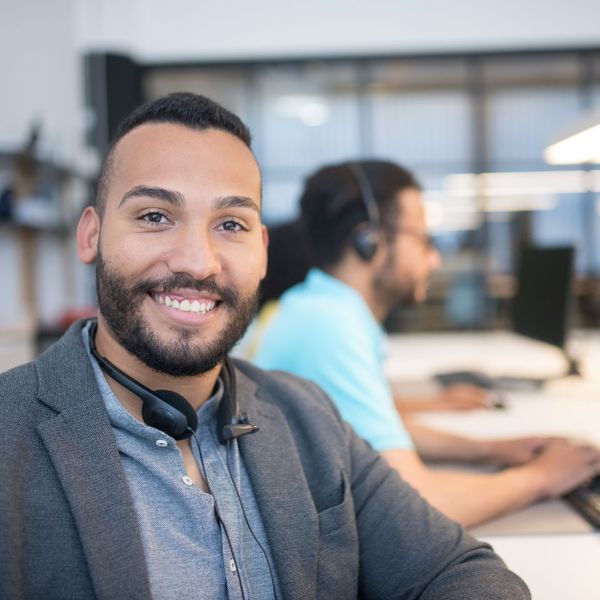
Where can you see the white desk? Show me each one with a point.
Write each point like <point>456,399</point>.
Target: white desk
<point>538,543</point>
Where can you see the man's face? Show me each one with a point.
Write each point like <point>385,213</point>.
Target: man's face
<point>403,277</point>
<point>180,250</point>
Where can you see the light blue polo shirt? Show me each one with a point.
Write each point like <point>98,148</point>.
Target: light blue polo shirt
<point>324,331</point>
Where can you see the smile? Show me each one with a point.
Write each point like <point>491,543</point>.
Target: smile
<point>185,304</point>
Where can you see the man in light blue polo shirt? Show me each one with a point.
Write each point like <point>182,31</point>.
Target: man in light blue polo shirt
<point>339,345</point>
<point>365,223</point>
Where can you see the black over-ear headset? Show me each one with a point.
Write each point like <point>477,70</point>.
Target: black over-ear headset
<point>365,239</point>
<point>174,415</point>
<point>171,412</point>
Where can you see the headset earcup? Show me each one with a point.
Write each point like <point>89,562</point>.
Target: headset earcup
<point>170,412</point>
<point>365,243</point>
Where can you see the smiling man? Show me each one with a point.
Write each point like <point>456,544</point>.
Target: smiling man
<point>138,461</point>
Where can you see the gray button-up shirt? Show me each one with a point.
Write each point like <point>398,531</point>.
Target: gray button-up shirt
<point>189,554</point>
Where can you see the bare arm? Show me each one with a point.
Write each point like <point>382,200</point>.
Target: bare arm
<point>472,498</point>
<point>458,396</point>
<point>436,445</point>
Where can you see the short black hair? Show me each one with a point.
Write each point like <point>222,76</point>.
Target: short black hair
<point>182,108</point>
<point>332,206</point>
<point>288,260</point>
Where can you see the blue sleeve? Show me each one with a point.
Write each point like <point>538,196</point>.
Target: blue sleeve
<point>339,356</point>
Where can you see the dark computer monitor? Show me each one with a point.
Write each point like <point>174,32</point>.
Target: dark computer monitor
<point>541,307</point>
<point>540,310</point>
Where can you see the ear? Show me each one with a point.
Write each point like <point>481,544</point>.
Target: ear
<point>88,234</point>
<point>265,240</point>
<point>385,247</point>
<point>366,242</point>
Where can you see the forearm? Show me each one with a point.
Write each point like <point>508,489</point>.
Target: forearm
<point>473,498</point>
<point>454,397</point>
<point>409,404</point>
<point>470,498</point>
<point>435,445</point>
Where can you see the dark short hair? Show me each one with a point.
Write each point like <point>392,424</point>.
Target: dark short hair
<point>182,108</point>
<point>288,260</point>
<point>332,206</point>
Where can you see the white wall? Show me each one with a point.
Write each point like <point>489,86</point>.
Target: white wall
<point>41,78</point>
<point>41,71</point>
<point>156,30</point>
<point>41,75</point>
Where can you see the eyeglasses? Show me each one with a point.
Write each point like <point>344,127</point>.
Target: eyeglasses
<point>427,240</point>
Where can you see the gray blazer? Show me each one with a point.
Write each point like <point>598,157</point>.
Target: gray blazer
<point>340,523</point>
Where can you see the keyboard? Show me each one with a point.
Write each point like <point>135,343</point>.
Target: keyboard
<point>479,379</point>
<point>586,501</point>
<point>475,378</point>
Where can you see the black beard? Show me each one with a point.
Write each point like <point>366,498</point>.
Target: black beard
<point>389,292</point>
<point>120,307</point>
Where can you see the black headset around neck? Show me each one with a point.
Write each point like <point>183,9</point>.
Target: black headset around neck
<point>365,239</point>
<point>170,412</point>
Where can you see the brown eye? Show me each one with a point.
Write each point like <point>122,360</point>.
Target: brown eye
<point>232,226</point>
<point>154,218</point>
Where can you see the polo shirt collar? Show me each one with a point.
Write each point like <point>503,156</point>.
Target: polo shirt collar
<point>322,283</point>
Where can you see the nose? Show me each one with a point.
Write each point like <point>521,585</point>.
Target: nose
<point>195,253</point>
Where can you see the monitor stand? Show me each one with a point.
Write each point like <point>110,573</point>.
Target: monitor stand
<point>573,368</point>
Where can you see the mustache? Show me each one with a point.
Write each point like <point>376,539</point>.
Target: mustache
<point>181,280</point>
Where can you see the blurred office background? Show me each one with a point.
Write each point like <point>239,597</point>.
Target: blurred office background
<point>467,94</point>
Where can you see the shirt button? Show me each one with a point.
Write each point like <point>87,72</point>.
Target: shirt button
<point>187,480</point>
<point>232,566</point>
<point>162,443</point>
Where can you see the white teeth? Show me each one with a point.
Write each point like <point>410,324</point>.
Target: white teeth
<point>185,305</point>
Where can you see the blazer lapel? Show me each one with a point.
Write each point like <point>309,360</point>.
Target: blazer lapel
<point>81,445</point>
<point>282,494</point>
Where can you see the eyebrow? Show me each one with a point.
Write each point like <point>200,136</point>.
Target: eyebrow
<point>157,193</point>
<point>177,198</point>
<point>236,201</point>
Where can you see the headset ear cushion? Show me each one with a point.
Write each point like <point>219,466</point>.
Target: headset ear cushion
<point>365,243</point>
<point>171,413</point>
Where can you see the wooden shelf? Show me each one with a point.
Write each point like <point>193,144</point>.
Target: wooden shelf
<point>9,155</point>
<point>39,258</point>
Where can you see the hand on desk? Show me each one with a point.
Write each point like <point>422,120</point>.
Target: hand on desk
<point>552,467</point>
<point>513,451</point>
<point>557,466</point>
<point>563,465</point>
<point>552,454</point>
<point>458,396</point>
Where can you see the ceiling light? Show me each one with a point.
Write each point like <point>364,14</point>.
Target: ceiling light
<point>580,144</point>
